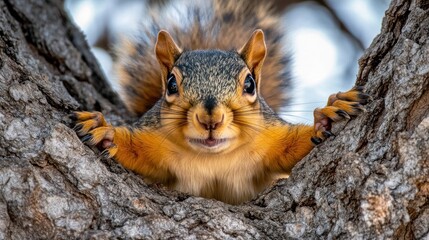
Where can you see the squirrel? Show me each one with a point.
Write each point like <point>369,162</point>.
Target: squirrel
<point>210,132</point>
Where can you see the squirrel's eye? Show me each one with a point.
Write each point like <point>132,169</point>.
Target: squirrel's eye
<point>249,85</point>
<point>172,85</point>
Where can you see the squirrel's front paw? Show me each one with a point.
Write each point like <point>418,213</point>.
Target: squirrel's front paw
<point>340,106</point>
<point>93,130</point>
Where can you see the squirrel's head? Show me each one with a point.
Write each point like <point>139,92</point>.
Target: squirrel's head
<point>210,97</point>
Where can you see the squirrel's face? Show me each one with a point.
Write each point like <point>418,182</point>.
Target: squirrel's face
<point>210,96</point>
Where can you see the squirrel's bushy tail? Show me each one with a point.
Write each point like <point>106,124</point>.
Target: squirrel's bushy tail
<point>217,24</point>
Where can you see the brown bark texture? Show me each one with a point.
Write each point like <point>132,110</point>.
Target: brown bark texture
<point>370,181</point>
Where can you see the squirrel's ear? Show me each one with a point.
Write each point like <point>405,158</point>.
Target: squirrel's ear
<point>254,51</point>
<point>166,50</point>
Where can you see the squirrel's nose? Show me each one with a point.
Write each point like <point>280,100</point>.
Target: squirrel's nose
<point>210,123</point>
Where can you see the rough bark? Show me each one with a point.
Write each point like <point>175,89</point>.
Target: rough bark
<point>370,181</point>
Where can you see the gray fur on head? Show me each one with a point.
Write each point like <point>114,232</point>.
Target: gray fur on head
<point>209,74</point>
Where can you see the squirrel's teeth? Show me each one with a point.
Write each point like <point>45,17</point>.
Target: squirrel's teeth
<point>209,142</point>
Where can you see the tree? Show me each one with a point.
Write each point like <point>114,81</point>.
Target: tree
<point>370,180</point>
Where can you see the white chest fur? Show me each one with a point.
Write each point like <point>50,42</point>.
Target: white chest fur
<point>228,177</point>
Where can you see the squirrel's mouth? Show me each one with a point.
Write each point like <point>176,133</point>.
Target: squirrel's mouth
<point>209,142</point>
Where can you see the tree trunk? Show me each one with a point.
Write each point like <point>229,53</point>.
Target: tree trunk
<point>369,181</point>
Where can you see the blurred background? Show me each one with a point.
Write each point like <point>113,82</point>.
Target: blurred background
<point>326,39</point>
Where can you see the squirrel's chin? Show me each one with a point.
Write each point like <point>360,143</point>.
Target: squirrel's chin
<point>210,145</point>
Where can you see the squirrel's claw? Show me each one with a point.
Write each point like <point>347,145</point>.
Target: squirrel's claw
<point>109,152</point>
<point>86,138</point>
<point>316,140</point>
<point>340,106</point>
<point>86,121</point>
<point>327,134</point>
<point>94,131</point>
